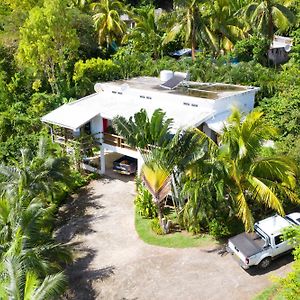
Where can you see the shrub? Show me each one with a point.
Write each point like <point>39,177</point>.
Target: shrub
<point>155,226</point>
<point>143,201</point>
<point>218,229</point>
<point>87,73</point>
<point>254,48</point>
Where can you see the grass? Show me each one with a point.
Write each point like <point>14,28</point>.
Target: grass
<point>172,240</point>
<point>271,293</point>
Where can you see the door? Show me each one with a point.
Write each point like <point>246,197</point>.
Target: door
<point>280,246</point>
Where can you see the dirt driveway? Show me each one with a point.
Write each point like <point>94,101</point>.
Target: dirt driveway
<point>113,263</point>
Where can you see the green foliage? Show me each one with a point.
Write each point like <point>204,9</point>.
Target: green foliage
<point>30,191</point>
<point>218,228</point>
<point>171,240</point>
<point>156,228</point>
<point>44,47</point>
<point>296,45</point>
<point>143,201</point>
<point>87,73</point>
<point>245,73</point>
<point>126,59</point>
<point>282,110</point>
<point>253,48</point>
<point>156,129</point>
<point>18,283</point>
<point>107,21</point>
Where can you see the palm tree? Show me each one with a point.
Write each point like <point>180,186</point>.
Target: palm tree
<point>188,23</point>
<point>248,175</point>
<point>268,15</point>
<point>165,155</point>
<point>44,174</point>
<point>222,27</point>
<point>157,180</point>
<point>25,233</point>
<point>107,21</point>
<point>147,33</point>
<point>18,283</point>
<point>155,133</point>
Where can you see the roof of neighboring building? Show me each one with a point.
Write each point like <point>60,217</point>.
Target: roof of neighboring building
<point>281,42</point>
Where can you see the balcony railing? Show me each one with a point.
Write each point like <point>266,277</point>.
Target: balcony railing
<point>115,140</point>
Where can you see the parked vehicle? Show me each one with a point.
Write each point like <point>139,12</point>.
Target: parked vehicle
<point>265,243</point>
<point>125,165</point>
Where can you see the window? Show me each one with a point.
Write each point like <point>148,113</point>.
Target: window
<point>278,239</point>
<point>87,128</point>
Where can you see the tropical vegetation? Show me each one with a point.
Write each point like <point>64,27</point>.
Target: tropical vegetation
<point>219,189</point>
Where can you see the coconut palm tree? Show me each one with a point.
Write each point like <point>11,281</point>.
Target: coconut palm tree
<point>16,282</point>
<point>268,15</point>
<point>250,176</point>
<point>107,21</point>
<point>188,23</point>
<point>222,28</point>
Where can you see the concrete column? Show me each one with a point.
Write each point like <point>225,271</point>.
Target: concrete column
<point>102,156</point>
<point>102,160</point>
<point>140,163</point>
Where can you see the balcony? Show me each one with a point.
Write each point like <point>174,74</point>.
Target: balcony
<point>115,140</point>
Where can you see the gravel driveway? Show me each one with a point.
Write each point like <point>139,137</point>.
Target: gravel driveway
<point>113,263</point>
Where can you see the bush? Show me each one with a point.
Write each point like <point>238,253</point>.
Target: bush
<point>87,73</point>
<point>155,226</point>
<point>218,229</point>
<point>254,48</point>
<point>143,202</point>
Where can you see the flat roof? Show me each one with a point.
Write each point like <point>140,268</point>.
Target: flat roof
<point>199,90</point>
<point>75,114</point>
<point>123,98</point>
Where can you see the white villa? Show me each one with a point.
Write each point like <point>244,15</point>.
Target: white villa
<point>190,104</point>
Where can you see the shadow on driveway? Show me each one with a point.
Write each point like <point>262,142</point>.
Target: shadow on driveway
<point>81,277</point>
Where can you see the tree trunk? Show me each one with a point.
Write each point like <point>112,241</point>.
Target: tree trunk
<point>270,25</point>
<point>193,42</point>
<point>160,214</point>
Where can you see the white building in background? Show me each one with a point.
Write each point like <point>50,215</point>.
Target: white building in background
<point>190,104</point>
<point>279,49</point>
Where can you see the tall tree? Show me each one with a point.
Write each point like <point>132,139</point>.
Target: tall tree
<point>269,15</point>
<point>108,22</point>
<point>250,176</point>
<point>165,155</point>
<point>147,35</point>
<point>221,28</point>
<point>44,47</point>
<point>188,23</point>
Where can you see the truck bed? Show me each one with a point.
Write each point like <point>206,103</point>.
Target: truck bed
<point>248,243</point>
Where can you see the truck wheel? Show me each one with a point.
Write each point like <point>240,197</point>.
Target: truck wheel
<point>265,263</point>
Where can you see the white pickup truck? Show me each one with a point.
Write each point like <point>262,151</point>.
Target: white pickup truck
<point>265,243</point>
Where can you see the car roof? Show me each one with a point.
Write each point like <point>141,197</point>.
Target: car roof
<point>273,225</point>
<point>295,217</point>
